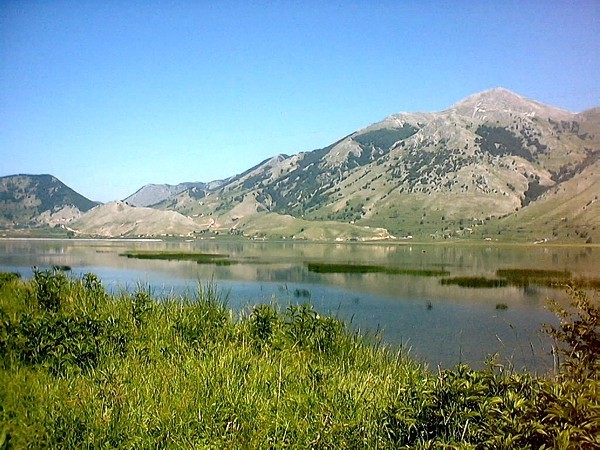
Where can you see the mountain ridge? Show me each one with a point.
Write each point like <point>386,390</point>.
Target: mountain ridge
<point>473,170</point>
<point>487,156</point>
<point>151,194</point>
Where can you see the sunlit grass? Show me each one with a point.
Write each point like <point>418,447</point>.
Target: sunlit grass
<point>83,369</point>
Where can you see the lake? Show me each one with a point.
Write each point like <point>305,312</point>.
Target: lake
<point>440,324</point>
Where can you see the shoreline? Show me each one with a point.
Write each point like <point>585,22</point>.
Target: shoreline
<point>311,242</point>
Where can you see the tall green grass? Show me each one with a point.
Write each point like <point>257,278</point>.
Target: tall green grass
<point>83,369</point>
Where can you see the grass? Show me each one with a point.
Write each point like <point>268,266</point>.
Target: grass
<point>83,369</point>
<point>363,268</point>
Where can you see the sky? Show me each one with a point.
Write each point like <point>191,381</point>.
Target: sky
<point>111,95</point>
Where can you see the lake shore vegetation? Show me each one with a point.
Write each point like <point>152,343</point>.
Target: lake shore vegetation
<point>81,368</point>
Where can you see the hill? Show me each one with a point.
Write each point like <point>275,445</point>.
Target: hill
<point>118,219</point>
<point>446,174</point>
<point>38,200</point>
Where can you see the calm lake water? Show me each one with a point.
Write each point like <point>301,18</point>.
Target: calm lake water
<point>442,325</point>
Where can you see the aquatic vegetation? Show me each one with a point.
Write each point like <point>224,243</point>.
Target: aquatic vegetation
<point>200,258</point>
<point>304,293</point>
<point>127,371</point>
<point>474,282</point>
<point>364,268</point>
<point>525,277</point>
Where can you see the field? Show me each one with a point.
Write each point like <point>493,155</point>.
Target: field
<point>83,369</point>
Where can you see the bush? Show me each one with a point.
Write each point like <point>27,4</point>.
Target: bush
<point>48,285</point>
<point>263,321</point>
<point>62,343</point>
<point>305,328</point>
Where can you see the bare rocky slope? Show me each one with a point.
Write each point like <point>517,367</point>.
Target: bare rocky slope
<point>152,194</point>
<point>477,168</point>
<point>118,219</point>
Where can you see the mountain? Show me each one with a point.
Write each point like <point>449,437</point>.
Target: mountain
<point>495,165</point>
<point>483,162</point>
<point>151,194</point>
<point>118,219</point>
<point>38,200</point>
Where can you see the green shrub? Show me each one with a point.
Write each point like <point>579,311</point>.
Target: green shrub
<point>263,322</point>
<point>305,328</point>
<point>141,305</point>
<point>92,284</point>
<point>60,343</point>
<point>49,285</point>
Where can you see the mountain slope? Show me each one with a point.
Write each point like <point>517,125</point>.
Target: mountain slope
<point>152,194</point>
<point>431,175</point>
<point>118,219</point>
<point>569,210</point>
<point>35,200</point>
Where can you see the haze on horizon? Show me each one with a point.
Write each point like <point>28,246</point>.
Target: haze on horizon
<point>111,96</point>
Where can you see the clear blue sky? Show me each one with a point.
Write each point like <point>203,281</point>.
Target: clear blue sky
<point>111,95</point>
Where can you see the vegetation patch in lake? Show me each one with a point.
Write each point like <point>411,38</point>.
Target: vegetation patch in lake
<point>304,293</point>
<point>525,277</point>
<point>474,282</point>
<point>586,283</point>
<point>364,268</point>
<point>200,258</point>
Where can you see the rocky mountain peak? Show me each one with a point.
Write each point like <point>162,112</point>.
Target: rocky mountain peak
<point>499,102</point>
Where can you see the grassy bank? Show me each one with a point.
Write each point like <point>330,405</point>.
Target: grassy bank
<point>83,369</point>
